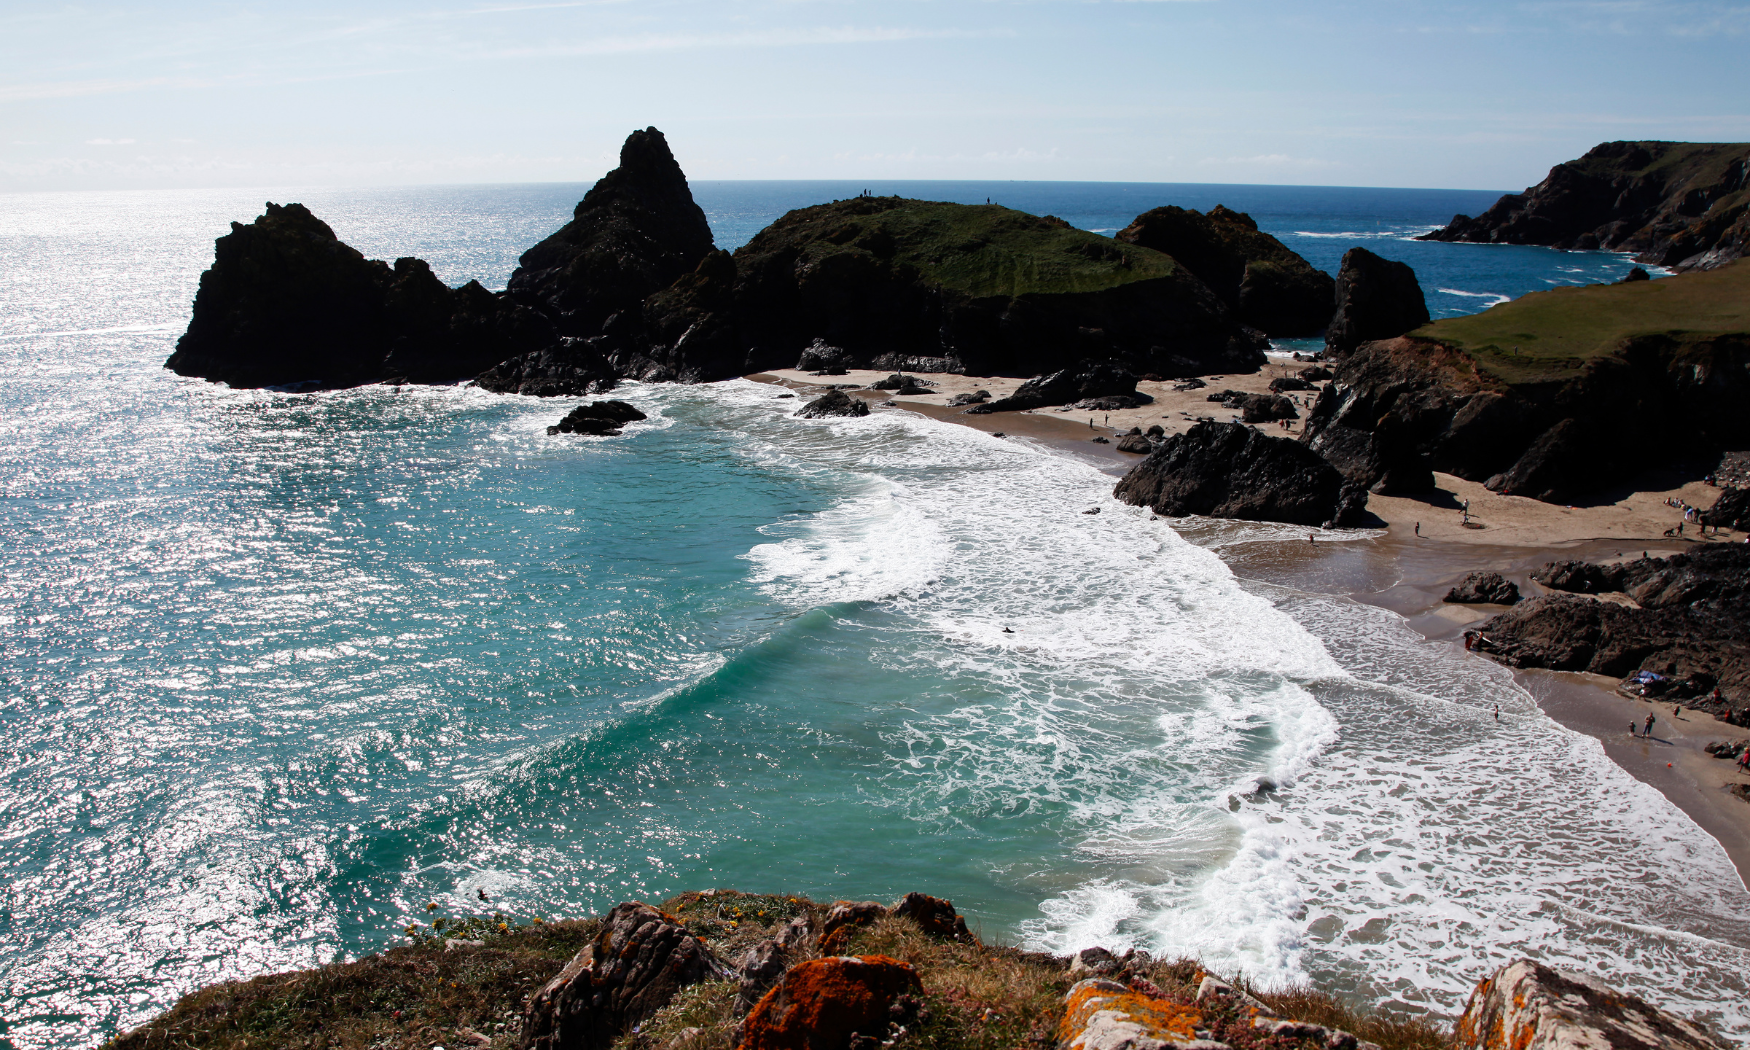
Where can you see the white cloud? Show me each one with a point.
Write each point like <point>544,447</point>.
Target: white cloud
<point>80,88</point>
<point>618,45</point>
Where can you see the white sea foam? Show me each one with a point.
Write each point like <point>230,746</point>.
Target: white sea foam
<point>1412,842</point>
<point>1495,297</point>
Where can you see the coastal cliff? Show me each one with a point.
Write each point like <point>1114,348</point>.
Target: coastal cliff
<point>1685,205</point>
<point>1553,395</point>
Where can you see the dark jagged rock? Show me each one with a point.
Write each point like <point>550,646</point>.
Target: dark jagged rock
<point>914,363</point>
<point>1635,274</point>
<point>634,967</point>
<point>901,383</point>
<point>1691,630</point>
<point>818,356</point>
<point>689,329</point>
<point>978,289</point>
<point>1228,470</point>
<point>1484,588</point>
<point>1284,384</point>
<point>976,397</point>
<point>759,968</point>
<point>1104,379</point>
<point>634,233</point>
<point>1256,408</point>
<point>573,368</point>
<point>1269,286</point>
<point>1376,299</point>
<point>1730,510</point>
<point>600,417</point>
<point>1315,373</point>
<point>1138,444</point>
<point>287,302</point>
<point>1685,205</point>
<point>833,403</point>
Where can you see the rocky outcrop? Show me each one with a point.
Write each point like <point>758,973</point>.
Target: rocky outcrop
<point>843,921</point>
<point>1266,284</point>
<point>818,355</point>
<point>1686,635</point>
<point>1229,470</point>
<point>600,417</point>
<point>1685,205</point>
<point>1256,408</point>
<point>286,302</point>
<point>836,1003</point>
<point>1483,588</point>
<point>1376,299</point>
<point>759,968</point>
<point>572,368</point>
<point>634,233</point>
<point>934,916</point>
<point>633,968</point>
<point>980,289</point>
<point>833,403</point>
<point>1730,510</point>
<point>1101,1014</point>
<point>1068,386</point>
<point>1526,1005</point>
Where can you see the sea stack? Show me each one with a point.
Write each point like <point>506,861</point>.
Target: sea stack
<point>1376,299</point>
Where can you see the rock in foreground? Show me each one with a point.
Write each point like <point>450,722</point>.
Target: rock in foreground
<point>845,1002</point>
<point>1229,470</point>
<point>1526,1005</point>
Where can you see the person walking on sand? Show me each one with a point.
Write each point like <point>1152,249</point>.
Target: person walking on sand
<point>1497,712</point>
<point>1649,731</point>
<point>1418,528</point>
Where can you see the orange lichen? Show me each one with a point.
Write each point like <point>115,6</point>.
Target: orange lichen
<point>1158,1017</point>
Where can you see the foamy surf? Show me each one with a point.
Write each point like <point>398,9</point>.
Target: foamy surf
<point>1410,844</point>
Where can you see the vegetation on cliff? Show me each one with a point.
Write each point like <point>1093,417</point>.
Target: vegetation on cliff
<point>1680,204</point>
<point>466,984</point>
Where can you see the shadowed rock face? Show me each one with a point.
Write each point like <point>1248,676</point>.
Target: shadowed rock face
<point>1484,588</point>
<point>1229,470</point>
<point>980,289</point>
<point>286,302</point>
<point>1685,205</point>
<point>1267,285</point>
<point>1526,1005</point>
<point>633,234</point>
<point>1376,299</point>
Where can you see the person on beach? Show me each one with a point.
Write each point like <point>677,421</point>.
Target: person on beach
<point>1497,712</point>
<point>1418,528</point>
<point>1649,731</point>
<point>1632,730</point>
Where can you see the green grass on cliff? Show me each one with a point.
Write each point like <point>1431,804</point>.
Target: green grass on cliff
<point>1557,332</point>
<point>463,984</point>
<point>979,249</point>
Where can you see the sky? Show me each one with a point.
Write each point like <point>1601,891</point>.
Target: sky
<point>1472,95</point>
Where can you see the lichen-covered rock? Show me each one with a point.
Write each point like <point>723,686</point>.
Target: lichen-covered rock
<point>1528,1006</point>
<point>1211,991</point>
<point>1483,588</point>
<point>1376,299</point>
<point>1229,470</point>
<point>1104,1015</point>
<point>635,965</point>
<point>835,1003</point>
<point>934,916</point>
<point>833,403</point>
<point>842,921</point>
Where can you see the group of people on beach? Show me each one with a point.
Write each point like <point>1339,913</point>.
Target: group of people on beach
<point>1634,729</point>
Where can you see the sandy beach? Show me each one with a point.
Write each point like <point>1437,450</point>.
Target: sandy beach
<point>1426,548</point>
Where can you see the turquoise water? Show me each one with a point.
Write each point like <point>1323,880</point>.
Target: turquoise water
<point>280,669</point>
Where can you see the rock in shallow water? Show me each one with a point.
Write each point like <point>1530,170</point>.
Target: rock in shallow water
<point>833,403</point>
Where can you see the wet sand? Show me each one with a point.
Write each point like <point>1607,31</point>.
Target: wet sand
<point>1409,573</point>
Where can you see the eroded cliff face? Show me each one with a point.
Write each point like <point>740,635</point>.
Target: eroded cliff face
<point>1685,205</point>
<point>287,302</point>
<point>1401,408</point>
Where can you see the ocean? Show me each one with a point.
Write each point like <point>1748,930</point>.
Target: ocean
<point>282,669</point>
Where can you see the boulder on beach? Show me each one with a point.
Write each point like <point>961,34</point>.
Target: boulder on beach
<point>1229,470</point>
<point>1483,588</point>
<point>1101,380</point>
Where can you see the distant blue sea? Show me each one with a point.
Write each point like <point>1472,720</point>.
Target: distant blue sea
<point>281,669</point>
